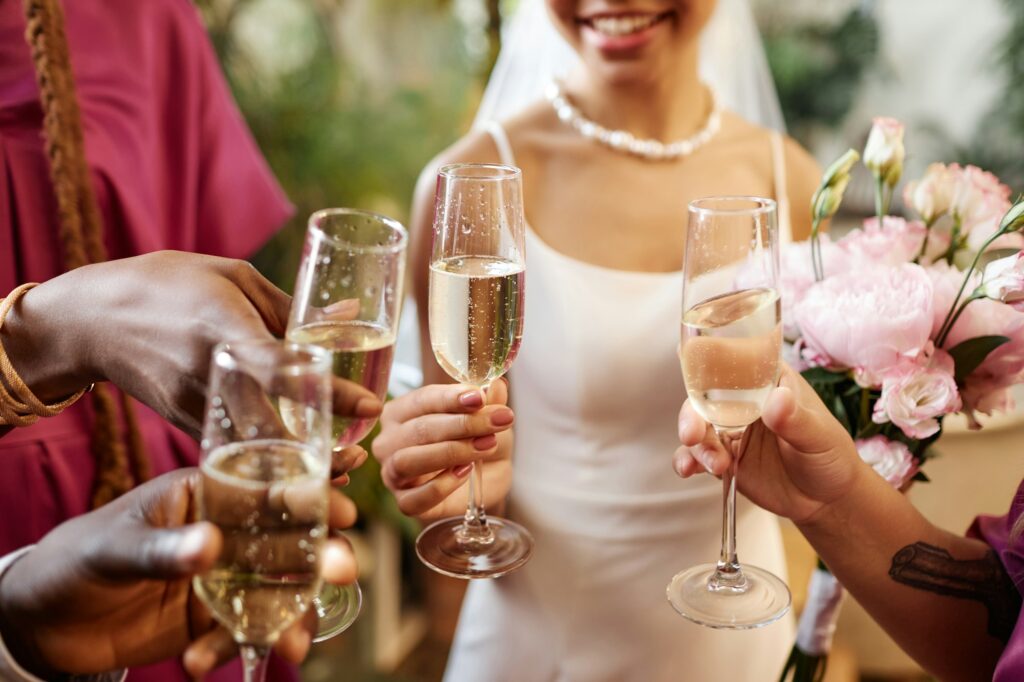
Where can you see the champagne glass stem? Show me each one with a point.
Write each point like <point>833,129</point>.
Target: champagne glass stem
<point>728,575</point>
<point>254,662</point>
<point>474,527</point>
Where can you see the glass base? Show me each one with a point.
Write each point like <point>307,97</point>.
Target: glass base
<point>759,599</point>
<point>337,607</point>
<point>448,548</point>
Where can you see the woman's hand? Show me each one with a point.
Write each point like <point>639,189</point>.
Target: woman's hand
<point>431,436</point>
<point>794,461</point>
<point>148,324</point>
<point>113,589</point>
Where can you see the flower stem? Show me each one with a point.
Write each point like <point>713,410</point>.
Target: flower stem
<point>817,263</point>
<point>880,203</point>
<point>954,312</point>
<point>927,233</point>
<point>952,323</point>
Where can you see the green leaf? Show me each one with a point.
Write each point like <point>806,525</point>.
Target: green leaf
<point>972,352</point>
<point>819,376</point>
<point>839,412</point>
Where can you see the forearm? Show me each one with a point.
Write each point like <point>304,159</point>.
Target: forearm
<point>945,599</point>
<point>43,345</point>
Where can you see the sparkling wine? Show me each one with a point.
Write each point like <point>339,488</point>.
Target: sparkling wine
<point>476,316</point>
<point>730,355</point>
<point>362,354</point>
<point>269,499</point>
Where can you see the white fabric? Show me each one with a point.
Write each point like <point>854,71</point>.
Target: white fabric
<point>10,671</point>
<point>596,391</point>
<point>732,62</point>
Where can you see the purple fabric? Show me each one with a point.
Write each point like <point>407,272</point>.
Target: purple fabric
<point>174,167</point>
<point>997,531</point>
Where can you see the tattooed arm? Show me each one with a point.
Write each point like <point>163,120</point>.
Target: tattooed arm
<point>945,599</point>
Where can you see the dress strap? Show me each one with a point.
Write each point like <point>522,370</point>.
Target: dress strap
<point>781,195</point>
<point>500,137</point>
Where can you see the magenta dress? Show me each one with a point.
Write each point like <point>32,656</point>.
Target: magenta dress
<point>997,531</point>
<point>174,167</point>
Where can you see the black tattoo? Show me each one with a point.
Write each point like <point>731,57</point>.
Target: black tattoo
<point>984,580</point>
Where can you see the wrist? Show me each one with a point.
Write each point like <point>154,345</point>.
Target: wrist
<point>17,628</point>
<point>44,348</point>
<point>834,515</point>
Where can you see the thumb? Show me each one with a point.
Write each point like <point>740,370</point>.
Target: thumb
<point>806,429</point>
<point>158,553</point>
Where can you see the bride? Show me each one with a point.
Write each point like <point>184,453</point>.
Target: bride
<point>596,387</point>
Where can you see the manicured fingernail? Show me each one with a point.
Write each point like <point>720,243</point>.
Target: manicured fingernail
<point>503,417</point>
<point>485,442</point>
<point>462,471</point>
<point>472,399</point>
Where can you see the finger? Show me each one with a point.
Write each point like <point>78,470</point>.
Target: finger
<point>270,303</point>
<point>434,399</point>
<point>341,311</point>
<point>412,462</point>
<point>345,460</point>
<point>293,644</point>
<point>209,652</point>
<point>144,552</point>
<point>352,400</point>
<point>419,500</point>
<point>339,562</point>
<point>342,512</point>
<point>437,428</point>
<point>692,427</point>
<point>684,464</point>
<point>807,430</point>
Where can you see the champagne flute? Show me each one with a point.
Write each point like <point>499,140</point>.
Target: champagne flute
<point>477,280</point>
<point>731,343</point>
<point>264,484</point>
<point>348,295</point>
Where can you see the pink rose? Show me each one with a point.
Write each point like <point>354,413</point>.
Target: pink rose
<point>890,459</point>
<point>979,201</point>
<point>868,319</point>
<point>931,195</point>
<point>895,241</point>
<point>916,392</point>
<point>883,152</point>
<point>1004,281</point>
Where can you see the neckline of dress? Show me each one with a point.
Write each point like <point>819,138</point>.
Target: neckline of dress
<point>584,265</point>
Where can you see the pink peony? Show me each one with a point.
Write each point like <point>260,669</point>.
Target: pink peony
<point>931,195</point>
<point>867,319</point>
<point>916,392</point>
<point>1004,281</point>
<point>890,459</point>
<point>895,242</point>
<point>979,201</point>
<point>984,389</point>
<point>796,276</point>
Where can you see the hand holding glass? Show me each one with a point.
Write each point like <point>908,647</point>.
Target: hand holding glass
<point>477,293</point>
<point>348,295</point>
<point>731,342</point>
<point>264,484</point>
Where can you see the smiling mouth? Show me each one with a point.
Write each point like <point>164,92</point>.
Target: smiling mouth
<point>624,24</point>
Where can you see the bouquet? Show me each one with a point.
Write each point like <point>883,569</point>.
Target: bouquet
<point>898,325</point>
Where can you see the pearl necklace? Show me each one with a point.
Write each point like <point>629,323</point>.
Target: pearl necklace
<point>623,140</point>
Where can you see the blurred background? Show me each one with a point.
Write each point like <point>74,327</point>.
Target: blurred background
<point>349,99</point>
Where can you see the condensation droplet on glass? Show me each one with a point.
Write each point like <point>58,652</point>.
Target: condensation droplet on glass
<point>252,432</point>
<point>346,281</point>
<point>216,402</point>
<point>311,558</point>
<point>237,605</point>
<point>326,260</point>
<point>324,296</point>
<point>370,291</point>
<point>225,423</point>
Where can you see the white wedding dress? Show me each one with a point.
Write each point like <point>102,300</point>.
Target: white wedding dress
<point>596,389</point>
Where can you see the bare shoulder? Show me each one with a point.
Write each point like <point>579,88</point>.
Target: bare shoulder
<point>802,170</point>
